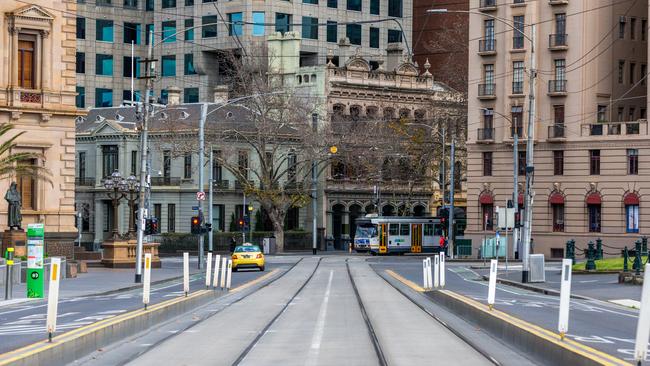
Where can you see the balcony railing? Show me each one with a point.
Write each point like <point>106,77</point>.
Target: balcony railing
<point>519,130</point>
<point>293,185</point>
<point>165,181</point>
<point>487,4</point>
<point>486,90</point>
<point>487,45</point>
<point>556,131</point>
<point>616,128</point>
<point>84,182</point>
<point>239,185</point>
<point>558,227</point>
<point>557,86</point>
<point>557,40</point>
<point>517,87</point>
<point>221,184</point>
<point>485,134</point>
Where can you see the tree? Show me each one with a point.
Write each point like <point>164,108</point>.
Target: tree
<point>15,164</point>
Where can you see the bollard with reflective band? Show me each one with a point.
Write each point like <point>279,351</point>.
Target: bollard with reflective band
<point>430,280</point>
<point>215,279</point>
<point>186,273</point>
<point>425,278</point>
<point>53,296</point>
<point>565,298</point>
<point>224,265</point>
<point>493,282</point>
<point>208,270</point>
<point>146,284</point>
<point>9,276</point>
<point>436,271</point>
<point>229,274</point>
<point>643,325</point>
<point>442,269</point>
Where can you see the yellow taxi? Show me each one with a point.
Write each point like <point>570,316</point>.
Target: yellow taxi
<point>247,256</point>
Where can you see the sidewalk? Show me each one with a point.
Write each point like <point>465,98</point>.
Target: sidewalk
<point>103,280</point>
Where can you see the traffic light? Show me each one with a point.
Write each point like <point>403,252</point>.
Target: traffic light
<point>155,228</point>
<point>517,220</point>
<point>195,225</point>
<point>241,224</point>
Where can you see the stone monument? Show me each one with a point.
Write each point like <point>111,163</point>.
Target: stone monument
<point>14,236</point>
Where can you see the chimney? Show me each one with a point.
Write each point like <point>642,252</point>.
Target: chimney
<point>344,51</point>
<point>393,56</point>
<point>220,94</point>
<point>173,95</point>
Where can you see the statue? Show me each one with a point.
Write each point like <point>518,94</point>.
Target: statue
<point>14,218</point>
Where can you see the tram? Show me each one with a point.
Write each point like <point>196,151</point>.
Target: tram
<point>398,234</point>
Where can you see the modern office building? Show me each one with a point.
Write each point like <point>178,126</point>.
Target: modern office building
<point>591,145</point>
<point>192,37</point>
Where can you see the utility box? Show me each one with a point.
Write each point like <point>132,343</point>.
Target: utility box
<point>268,245</point>
<point>537,273</point>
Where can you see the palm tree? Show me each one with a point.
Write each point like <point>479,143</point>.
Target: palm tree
<point>13,164</point>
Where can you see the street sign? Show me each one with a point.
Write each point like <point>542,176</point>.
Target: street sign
<point>195,208</point>
<point>35,250</point>
<point>200,196</point>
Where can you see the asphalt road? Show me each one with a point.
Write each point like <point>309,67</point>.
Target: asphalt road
<point>598,324</point>
<point>24,324</point>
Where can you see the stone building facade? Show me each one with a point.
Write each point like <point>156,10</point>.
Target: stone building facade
<point>37,95</point>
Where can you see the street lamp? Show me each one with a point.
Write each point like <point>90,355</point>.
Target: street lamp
<point>530,169</point>
<point>118,186</point>
<point>132,186</point>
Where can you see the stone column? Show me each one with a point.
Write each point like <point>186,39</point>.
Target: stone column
<point>46,43</point>
<point>14,63</point>
<point>38,53</point>
<point>328,228</point>
<point>99,223</point>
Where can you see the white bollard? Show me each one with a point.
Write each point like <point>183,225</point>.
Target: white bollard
<point>229,275</point>
<point>442,269</point>
<point>186,273</point>
<point>53,296</point>
<point>643,325</point>
<point>425,278</point>
<point>565,298</point>
<point>436,271</point>
<point>224,265</point>
<point>493,282</point>
<point>146,284</point>
<point>208,270</point>
<point>430,280</point>
<point>215,279</point>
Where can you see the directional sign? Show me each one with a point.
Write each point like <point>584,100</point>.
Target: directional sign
<point>200,196</point>
<point>195,208</point>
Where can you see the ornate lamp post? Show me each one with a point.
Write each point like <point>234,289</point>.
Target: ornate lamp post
<point>133,188</point>
<point>118,185</point>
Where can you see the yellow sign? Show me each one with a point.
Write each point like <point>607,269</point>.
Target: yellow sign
<point>10,249</point>
<point>334,149</point>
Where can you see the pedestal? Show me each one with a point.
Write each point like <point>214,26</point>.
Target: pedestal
<point>122,254</point>
<point>14,239</point>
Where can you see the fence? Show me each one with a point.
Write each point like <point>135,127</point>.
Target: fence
<point>595,252</point>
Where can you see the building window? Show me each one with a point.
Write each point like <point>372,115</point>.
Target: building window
<point>27,188</point>
<point>558,114</point>
<point>518,77</point>
<point>521,162</point>
<point>517,118</point>
<point>395,8</point>
<point>169,31</point>
<point>558,162</point>
<point>487,211</point>
<point>558,217</point>
<point>81,28</point>
<point>258,23</point>
<point>332,32</point>
<point>353,32</point>
<point>169,65</point>
<point>601,114</point>
<point>594,162</point>
<point>104,65</point>
<point>127,69</point>
<point>103,97</point>
<point>242,163</point>
<point>167,164</point>
<point>630,114</point>
<point>191,95</point>
<point>171,218</point>
<point>149,5</point>
<point>235,25</point>
<point>188,64</point>
<point>315,2</point>
<point>374,7</point>
<point>80,66</point>
<point>109,159</point>
<point>394,36</point>
<point>632,28</point>
<point>309,28</point>
<point>80,99</point>
<point>642,113</point>
<point>632,161</point>
<point>644,29</point>
<point>104,29</point>
<point>632,72</point>
<point>168,4</point>
<point>621,71</point>
<point>82,166</point>
<point>164,96</point>
<point>132,33</point>
<point>148,33</point>
<point>488,78</point>
<point>621,28</point>
<point>282,22</point>
<point>131,4</point>
<point>560,26</point>
<point>560,70</point>
<point>594,218</point>
<point>354,5</point>
<point>518,38</point>
<point>189,2</point>
<point>134,162</point>
<point>26,64</point>
<point>187,166</point>
<point>487,163</point>
<point>644,72</point>
<point>292,220</point>
<point>218,214</point>
<point>374,38</point>
<point>157,211</point>
<point>632,218</point>
<point>216,167</point>
<point>189,33</point>
<point>209,31</point>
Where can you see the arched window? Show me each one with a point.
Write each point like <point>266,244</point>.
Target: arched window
<point>631,202</point>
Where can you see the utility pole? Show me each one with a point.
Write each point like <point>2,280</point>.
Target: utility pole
<point>148,76</point>
<point>210,184</point>
<point>530,168</point>
<point>450,230</point>
<point>442,168</point>
<point>204,114</point>
<point>243,216</point>
<point>314,191</point>
<point>515,189</point>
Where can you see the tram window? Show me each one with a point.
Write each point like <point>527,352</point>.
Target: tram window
<point>428,229</point>
<point>404,229</point>
<point>438,230</point>
<point>393,229</point>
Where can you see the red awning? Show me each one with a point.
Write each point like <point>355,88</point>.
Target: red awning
<point>631,199</point>
<point>593,199</point>
<point>556,198</point>
<point>486,199</point>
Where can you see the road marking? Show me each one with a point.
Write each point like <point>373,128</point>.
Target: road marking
<point>403,280</point>
<point>317,338</point>
<point>627,303</point>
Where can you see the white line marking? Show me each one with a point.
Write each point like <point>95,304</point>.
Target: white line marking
<point>320,325</point>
